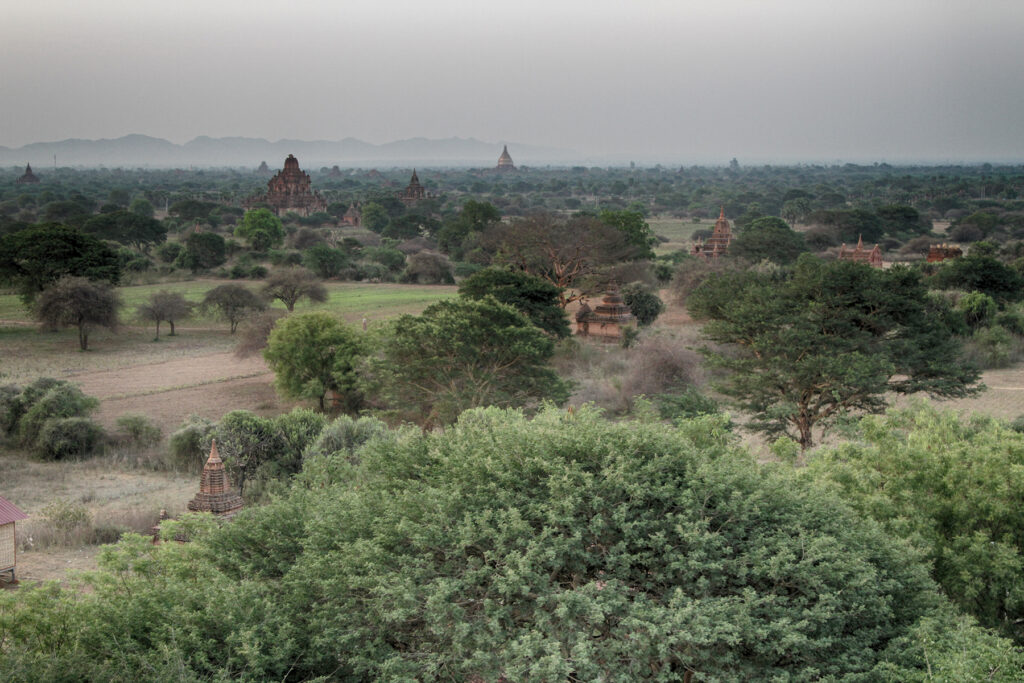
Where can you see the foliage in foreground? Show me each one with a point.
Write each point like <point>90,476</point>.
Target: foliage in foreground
<point>954,488</point>
<point>49,418</point>
<point>566,548</point>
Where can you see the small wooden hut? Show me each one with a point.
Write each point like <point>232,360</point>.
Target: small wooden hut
<point>9,515</point>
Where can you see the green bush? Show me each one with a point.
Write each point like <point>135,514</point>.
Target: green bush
<point>188,445</point>
<point>139,431</point>
<point>644,303</point>
<point>992,347</point>
<point>344,435</point>
<point>1012,321</point>
<point>978,309</point>
<point>10,408</point>
<point>68,437</point>
<point>62,401</point>
<point>688,404</point>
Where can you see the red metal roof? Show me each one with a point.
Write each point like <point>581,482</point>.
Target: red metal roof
<point>9,512</point>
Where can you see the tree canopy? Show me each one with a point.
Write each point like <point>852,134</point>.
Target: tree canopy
<point>768,238</point>
<point>261,229</point>
<point>312,354</point>
<point>33,258</point>
<point>127,227</point>
<point>165,306</point>
<point>566,547</point>
<point>828,339</point>
<point>460,354</point>
<point>534,297</point>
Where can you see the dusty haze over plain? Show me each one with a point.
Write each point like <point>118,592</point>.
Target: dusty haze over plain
<point>673,80</point>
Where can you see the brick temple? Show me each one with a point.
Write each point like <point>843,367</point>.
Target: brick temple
<point>290,190</point>
<point>872,257</point>
<point>718,243</point>
<point>215,493</point>
<point>605,320</point>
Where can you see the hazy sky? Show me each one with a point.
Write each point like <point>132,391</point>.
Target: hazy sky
<point>814,80</point>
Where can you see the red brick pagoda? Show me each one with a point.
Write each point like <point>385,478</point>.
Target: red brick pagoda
<point>413,192</point>
<point>28,177</point>
<point>718,243</point>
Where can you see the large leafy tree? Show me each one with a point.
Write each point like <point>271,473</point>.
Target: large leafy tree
<point>202,250</point>
<point>636,230</point>
<point>980,273</point>
<point>768,238</point>
<point>78,302</point>
<point>474,217</point>
<point>560,250</point>
<point>461,354</point>
<point>315,353</point>
<point>953,487</point>
<point>261,228</point>
<point>127,227</point>
<point>33,258</point>
<point>533,296</point>
<point>826,340</point>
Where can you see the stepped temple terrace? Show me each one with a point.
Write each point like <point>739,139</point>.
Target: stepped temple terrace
<point>215,492</point>
<point>718,243</point>
<point>290,190</point>
<point>505,161</point>
<point>607,319</point>
<point>28,177</point>
<point>872,257</point>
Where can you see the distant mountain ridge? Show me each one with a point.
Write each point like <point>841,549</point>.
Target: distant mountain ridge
<point>134,151</point>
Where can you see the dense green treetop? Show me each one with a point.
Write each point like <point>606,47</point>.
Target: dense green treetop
<point>810,346</point>
<point>312,354</point>
<point>127,227</point>
<point>769,238</point>
<point>634,227</point>
<point>952,486</point>
<point>563,548</point>
<point>459,354</point>
<point>535,297</point>
<point>261,228</point>
<point>33,258</point>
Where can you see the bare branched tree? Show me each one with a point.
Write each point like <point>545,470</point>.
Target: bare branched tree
<point>165,306</point>
<point>288,285</point>
<point>78,302</point>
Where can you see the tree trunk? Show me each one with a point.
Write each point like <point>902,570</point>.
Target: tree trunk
<point>171,323</point>
<point>83,338</point>
<point>157,338</point>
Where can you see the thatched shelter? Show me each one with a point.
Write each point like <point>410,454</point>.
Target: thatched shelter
<point>9,515</point>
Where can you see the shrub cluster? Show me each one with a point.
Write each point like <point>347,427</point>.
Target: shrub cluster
<point>50,419</point>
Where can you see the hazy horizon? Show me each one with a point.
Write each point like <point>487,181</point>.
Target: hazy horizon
<point>655,80</point>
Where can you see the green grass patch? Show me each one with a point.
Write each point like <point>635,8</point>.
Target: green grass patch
<point>678,231</point>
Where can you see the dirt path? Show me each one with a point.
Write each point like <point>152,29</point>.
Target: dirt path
<point>169,391</point>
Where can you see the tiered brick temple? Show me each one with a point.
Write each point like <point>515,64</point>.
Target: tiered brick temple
<point>413,192</point>
<point>28,177</point>
<point>505,161</point>
<point>215,492</point>
<point>943,252</point>
<point>607,319</point>
<point>718,243</point>
<point>872,257</point>
<point>290,190</point>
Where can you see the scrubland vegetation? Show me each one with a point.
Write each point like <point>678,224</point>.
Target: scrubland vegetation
<point>450,485</point>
